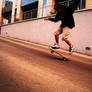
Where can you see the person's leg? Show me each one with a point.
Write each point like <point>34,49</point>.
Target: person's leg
<point>0,30</point>
<point>68,42</point>
<point>57,33</point>
<point>65,36</point>
<point>57,39</point>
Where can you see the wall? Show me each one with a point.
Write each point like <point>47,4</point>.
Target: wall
<point>40,31</point>
<point>1,5</point>
<point>40,11</point>
<point>88,4</point>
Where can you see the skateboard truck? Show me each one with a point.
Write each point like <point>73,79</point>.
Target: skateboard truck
<point>53,51</point>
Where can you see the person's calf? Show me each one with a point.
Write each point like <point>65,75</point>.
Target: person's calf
<point>71,48</point>
<point>68,42</point>
<point>57,39</point>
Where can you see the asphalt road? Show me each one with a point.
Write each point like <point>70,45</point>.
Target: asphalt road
<point>31,70</point>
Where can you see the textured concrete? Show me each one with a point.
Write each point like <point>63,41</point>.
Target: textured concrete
<point>31,70</point>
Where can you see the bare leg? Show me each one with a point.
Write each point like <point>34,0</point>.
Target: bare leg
<point>57,33</point>
<point>57,39</point>
<point>66,33</point>
<point>68,42</point>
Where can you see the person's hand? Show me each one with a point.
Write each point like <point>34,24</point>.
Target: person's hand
<point>46,18</point>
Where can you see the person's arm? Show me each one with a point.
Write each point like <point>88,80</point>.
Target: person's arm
<point>56,19</point>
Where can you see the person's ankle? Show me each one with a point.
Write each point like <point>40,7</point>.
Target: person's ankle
<point>71,46</point>
<point>57,43</point>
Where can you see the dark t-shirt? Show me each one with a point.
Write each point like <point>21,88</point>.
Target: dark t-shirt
<point>66,18</point>
<point>66,15</point>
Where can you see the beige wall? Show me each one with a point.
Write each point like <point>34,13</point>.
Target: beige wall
<point>88,4</point>
<point>16,5</point>
<point>19,11</point>
<point>40,10</point>
<point>21,14</point>
<point>1,3</point>
<point>13,11</point>
<point>50,4</point>
<point>53,3</point>
<point>49,7</point>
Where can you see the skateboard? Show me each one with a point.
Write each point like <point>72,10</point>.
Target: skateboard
<point>52,51</point>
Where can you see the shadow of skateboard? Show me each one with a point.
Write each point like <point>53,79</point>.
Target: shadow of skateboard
<point>52,51</point>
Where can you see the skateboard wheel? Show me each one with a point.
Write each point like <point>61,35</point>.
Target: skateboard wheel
<point>52,51</point>
<point>63,58</point>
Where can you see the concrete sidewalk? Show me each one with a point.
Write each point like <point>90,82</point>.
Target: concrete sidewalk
<point>74,56</point>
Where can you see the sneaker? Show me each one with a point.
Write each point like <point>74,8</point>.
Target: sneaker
<point>71,49</point>
<point>55,46</point>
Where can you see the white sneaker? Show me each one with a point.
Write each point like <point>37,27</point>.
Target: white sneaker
<point>55,46</point>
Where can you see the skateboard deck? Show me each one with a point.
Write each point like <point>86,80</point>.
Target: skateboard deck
<point>52,51</point>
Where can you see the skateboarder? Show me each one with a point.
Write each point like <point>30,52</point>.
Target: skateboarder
<point>65,14</point>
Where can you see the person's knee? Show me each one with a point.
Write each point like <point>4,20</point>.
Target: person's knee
<point>56,34</point>
<point>64,38</point>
